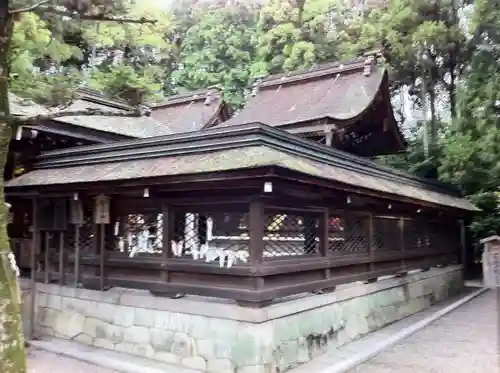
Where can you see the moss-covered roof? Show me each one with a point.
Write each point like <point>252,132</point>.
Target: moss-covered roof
<point>226,160</point>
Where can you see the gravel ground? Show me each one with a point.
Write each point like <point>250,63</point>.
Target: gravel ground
<point>464,341</point>
<point>45,362</point>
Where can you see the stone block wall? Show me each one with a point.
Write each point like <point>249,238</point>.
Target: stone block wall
<point>220,337</point>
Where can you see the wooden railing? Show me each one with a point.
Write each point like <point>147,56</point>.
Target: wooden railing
<point>249,252</point>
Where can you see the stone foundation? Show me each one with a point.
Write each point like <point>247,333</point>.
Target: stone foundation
<point>213,335</point>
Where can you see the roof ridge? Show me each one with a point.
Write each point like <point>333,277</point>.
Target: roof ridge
<point>315,71</point>
<point>95,96</point>
<point>196,95</point>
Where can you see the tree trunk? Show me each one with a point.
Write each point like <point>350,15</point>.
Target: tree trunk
<point>452,61</point>
<point>12,355</point>
<point>433,140</point>
<point>452,92</point>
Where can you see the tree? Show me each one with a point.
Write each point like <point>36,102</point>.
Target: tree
<point>293,34</point>
<point>425,47</point>
<point>218,50</point>
<point>471,151</point>
<point>12,358</point>
<point>132,56</point>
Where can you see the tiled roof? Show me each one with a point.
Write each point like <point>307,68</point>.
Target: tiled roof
<point>249,147</point>
<point>135,127</point>
<point>337,91</point>
<point>24,108</point>
<point>242,158</point>
<point>189,112</point>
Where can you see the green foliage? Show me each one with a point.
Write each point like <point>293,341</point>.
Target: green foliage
<point>218,50</point>
<point>294,34</point>
<point>124,82</point>
<point>471,148</point>
<point>33,48</point>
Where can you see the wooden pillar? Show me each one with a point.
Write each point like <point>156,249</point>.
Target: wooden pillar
<point>167,237</point>
<point>77,254</point>
<point>401,224</point>
<point>256,245</point>
<point>371,244</point>
<point>47,256</point>
<point>62,258</point>
<point>323,238</point>
<point>95,243</point>
<point>76,219</point>
<point>256,222</point>
<point>102,255</point>
<point>371,247</point>
<point>463,248</point>
<point>35,243</point>
<point>323,232</point>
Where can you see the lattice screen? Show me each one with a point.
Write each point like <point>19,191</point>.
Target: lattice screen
<point>386,234</point>
<point>290,234</point>
<point>137,234</point>
<point>416,235</point>
<point>211,236</point>
<point>348,234</point>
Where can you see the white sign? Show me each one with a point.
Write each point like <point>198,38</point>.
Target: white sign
<point>76,213</point>
<point>101,215</point>
<point>491,263</point>
<point>495,265</point>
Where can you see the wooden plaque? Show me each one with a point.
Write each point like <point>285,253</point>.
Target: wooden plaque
<point>76,213</point>
<point>101,211</point>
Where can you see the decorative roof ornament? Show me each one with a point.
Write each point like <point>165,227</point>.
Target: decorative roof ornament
<point>209,97</point>
<point>369,62</point>
<point>255,85</point>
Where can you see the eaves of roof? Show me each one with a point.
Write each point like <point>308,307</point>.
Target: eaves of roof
<point>218,139</point>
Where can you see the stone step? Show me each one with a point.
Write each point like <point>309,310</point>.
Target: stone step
<point>120,362</point>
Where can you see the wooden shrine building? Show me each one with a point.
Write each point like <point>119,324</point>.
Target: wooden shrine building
<point>344,104</point>
<point>201,109</point>
<point>193,111</point>
<point>250,213</point>
<point>34,138</point>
